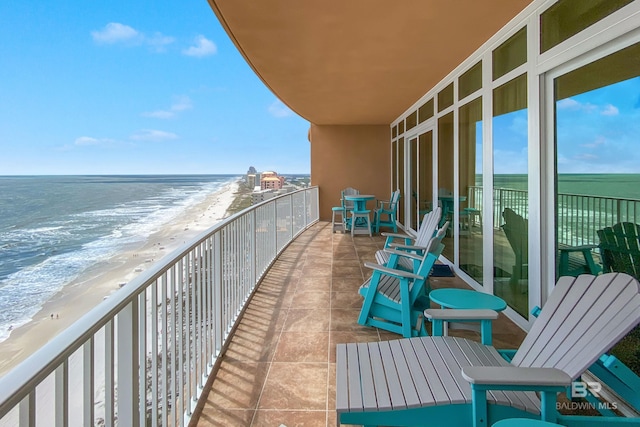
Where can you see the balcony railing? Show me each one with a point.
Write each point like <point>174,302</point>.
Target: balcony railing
<point>579,217</point>
<point>143,356</point>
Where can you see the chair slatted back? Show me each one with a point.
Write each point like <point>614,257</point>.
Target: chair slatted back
<point>428,227</point>
<point>393,201</point>
<point>620,248</point>
<point>583,318</point>
<point>349,191</point>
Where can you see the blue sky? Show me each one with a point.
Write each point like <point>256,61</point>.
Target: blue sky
<point>597,132</point>
<point>135,87</point>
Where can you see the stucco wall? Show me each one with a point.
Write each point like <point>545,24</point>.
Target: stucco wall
<point>349,156</point>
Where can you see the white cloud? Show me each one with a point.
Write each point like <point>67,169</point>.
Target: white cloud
<point>158,41</point>
<point>153,135</point>
<point>279,110</point>
<point>572,104</point>
<point>88,140</point>
<point>160,114</point>
<point>610,110</point>
<point>203,47</point>
<point>598,141</point>
<point>181,103</point>
<point>114,32</point>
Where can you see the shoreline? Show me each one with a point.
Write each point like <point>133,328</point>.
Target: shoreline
<point>105,277</point>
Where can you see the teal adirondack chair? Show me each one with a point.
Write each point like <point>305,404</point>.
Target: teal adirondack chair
<point>394,299</point>
<point>449,381</point>
<point>385,214</point>
<point>416,244</point>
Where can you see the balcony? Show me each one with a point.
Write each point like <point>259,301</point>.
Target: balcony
<point>279,367</point>
<point>242,322</point>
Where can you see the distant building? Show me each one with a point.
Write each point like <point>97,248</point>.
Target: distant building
<point>271,181</point>
<point>262,195</point>
<point>251,180</point>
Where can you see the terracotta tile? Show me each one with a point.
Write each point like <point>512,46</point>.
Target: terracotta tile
<point>302,347</point>
<point>238,385</point>
<point>346,320</point>
<point>221,417</point>
<point>310,299</point>
<point>346,284</point>
<point>346,263</point>
<point>300,386</point>
<point>340,271</point>
<point>317,271</point>
<point>350,299</point>
<point>270,418</point>
<point>317,284</point>
<point>307,320</point>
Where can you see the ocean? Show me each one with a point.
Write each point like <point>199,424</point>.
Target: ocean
<point>52,228</point>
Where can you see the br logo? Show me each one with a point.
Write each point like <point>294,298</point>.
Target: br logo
<point>582,388</point>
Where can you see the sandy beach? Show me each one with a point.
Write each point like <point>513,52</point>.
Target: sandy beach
<point>106,277</point>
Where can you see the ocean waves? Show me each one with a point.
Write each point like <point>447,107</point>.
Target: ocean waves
<point>39,257</point>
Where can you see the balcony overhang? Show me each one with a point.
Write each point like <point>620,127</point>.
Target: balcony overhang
<point>359,61</point>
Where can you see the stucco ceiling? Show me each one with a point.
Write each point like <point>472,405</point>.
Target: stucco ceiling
<point>358,61</point>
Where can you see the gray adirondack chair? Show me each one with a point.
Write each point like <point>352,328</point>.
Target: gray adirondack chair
<point>448,381</point>
<point>416,244</point>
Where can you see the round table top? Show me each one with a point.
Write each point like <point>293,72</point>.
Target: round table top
<point>360,197</point>
<point>466,299</point>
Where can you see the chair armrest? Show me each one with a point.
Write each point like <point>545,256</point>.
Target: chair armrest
<point>576,248</point>
<point>407,247</point>
<point>460,315</point>
<point>392,271</point>
<point>398,235</point>
<point>510,376</point>
<point>404,254</point>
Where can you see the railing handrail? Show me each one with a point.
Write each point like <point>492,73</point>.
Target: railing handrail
<point>16,384</point>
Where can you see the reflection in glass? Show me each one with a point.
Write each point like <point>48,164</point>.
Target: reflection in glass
<point>413,154</point>
<point>510,195</point>
<point>400,162</point>
<point>445,178</point>
<point>470,188</point>
<point>598,169</point>
<point>425,174</point>
<point>445,98</point>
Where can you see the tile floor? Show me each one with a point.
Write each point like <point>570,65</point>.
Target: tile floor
<point>279,369</point>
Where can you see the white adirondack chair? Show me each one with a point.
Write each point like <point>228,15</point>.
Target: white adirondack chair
<point>448,381</point>
<point>416,244</point>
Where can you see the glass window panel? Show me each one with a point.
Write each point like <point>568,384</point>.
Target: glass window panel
<point>445,177</point>
<point>401,128</point>
<point>445,98</point>
<point>412,120</point>
<point>394,131</point>
<point>470,81</point>
<point>426,111</point>
<point>470,188</point>
<point>598,166</point>
<point>568,17</point>
<point>401,180</point>
<point>510,54</point>
<point>510,195</point>
<point>413,155</point>
<point>425,180</point>
<point>394,164</point>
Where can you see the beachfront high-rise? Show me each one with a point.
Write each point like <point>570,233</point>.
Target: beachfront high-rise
<point>476,106</point>
<point>509,114</point>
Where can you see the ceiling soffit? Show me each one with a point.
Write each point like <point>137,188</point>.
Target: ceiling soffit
<point>358,61</point>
